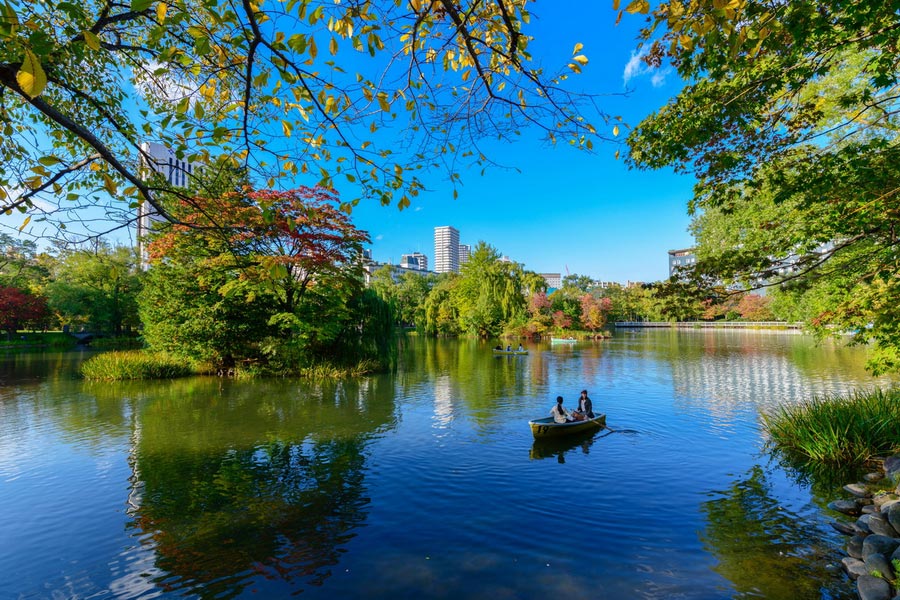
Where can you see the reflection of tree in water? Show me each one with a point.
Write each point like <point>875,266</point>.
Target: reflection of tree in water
<point>282,510</point>
<point>233,488</point>
<point>765,550</point>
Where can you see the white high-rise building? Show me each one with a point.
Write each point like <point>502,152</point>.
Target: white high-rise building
<point>446,249</point>
<point>157,158</point>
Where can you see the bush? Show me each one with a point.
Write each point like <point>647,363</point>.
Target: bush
<point>136,364</point>
<point>836,430</point>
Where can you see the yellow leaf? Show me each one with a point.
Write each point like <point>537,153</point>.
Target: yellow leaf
<point>617,155</point>
<point>92,41</point>
<point>615,130</point>
<point>286,128</point>
<point>161,9</point>
<point>383,102</point>
<point>25,222</point>
<point>615,4</point>
<point>577,49</point>
<point>333,46</point>
<point>31,76</point>
<point>109,184</point>
<point>581,59</point>
<point>638,6</point>
<point>311,47</point>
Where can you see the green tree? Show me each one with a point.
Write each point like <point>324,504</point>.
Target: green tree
<point>97,288</point>
<point>582,283</point>
<point>441,312</point>
<point>790,125</point>
<point>489,294</point>
<point>412,293</point>
<point>283,88</point>
<point>277,278</point>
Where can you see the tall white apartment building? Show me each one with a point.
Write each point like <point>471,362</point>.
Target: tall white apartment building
<point>414,260</point>
<point>446,249</point>
<point>464,251</point>
<point>159,159</point>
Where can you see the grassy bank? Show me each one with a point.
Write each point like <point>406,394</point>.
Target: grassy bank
<point>145,364</point>
<point>41,339</point>
<point>838,430</point>
<point>137,364</point>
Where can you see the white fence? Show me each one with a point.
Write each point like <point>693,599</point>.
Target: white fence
<point>712,324</point>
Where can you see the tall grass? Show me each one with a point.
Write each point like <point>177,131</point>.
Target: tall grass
<point>136,364</point>
<point>835,430</point>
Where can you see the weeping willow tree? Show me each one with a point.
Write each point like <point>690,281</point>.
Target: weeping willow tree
<point>490,292</point>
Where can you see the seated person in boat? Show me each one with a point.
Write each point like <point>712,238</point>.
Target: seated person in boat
<point>520,348</point>
<point>498,347</point>
<point>585,408</point>
<point>559,412</point>
<point>508,348</point>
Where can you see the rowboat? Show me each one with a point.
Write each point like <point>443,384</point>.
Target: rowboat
<point>547,427</point>
<point>510,351</point>
<point>554,340</point>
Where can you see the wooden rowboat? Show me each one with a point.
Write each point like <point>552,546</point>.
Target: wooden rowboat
<point>547,427</point>
<point>554,340</point>
<point>510,351</point>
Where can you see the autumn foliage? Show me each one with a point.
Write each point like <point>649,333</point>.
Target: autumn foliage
<point>20,309</point>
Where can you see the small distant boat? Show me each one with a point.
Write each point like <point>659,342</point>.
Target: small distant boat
<point>547,427</point>
<point>554,340</point>
<point>510,351</point>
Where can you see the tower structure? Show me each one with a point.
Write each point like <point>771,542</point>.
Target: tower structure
<point>446,249</point>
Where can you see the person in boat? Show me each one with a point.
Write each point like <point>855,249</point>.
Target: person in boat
<point>498,347</point>
<point>585,408</point>
<point>509,348</point>
<point>520,348</point>
<point>559,412</point>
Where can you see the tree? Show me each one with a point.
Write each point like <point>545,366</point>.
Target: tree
<point>285,88</point>
<point>790,125</point>
<point>582,283</point>
<point>754,307</point>
<point>594,311</point>
<point>20,309</point>
<point>97,288</point>
<point>278,278</point>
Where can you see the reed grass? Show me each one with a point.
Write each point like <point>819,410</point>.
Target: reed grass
<point>835,430</point>
<point>136,364</point>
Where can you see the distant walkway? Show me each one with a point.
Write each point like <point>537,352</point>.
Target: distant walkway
<point>712,324</point>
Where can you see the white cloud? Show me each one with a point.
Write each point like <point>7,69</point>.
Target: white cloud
<point>417,209</point>
<point>636,67</point>
<point>379,237</point>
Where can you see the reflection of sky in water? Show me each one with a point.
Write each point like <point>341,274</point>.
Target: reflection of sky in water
<point>443,402</point>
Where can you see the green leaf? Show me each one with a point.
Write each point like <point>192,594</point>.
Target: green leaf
<point>92,41</point>
<point>140,5</point>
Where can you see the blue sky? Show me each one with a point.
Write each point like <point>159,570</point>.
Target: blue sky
<point>562,208</point>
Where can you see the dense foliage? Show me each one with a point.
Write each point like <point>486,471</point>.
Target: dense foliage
<point>267,278</point>
<point>790,124</point>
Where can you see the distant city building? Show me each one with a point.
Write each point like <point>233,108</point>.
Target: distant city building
<point>554,280</point>
<point>464,251</point>
<point>156,158</point>
<point>446,249</point>
<point>681,258</point>
<point>415,260</point>
<point>396,271</point>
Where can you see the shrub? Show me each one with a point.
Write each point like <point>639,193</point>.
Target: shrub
<point>838,430</point>
<point>136,364</point>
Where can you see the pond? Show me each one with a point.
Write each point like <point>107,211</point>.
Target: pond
<point>425,482</point>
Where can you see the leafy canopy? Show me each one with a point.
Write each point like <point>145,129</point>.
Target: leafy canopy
<point>361,95</point>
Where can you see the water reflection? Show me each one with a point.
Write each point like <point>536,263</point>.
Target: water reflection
<point>235,482</point>
<point>558,447</point>
<point>765,549</point>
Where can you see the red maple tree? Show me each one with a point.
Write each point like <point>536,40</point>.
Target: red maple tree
<point>20,309</point>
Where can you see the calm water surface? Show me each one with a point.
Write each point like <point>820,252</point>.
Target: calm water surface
<point>425,483</point>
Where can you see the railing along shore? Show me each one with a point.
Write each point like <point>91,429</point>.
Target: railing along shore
<point>712,324</point>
